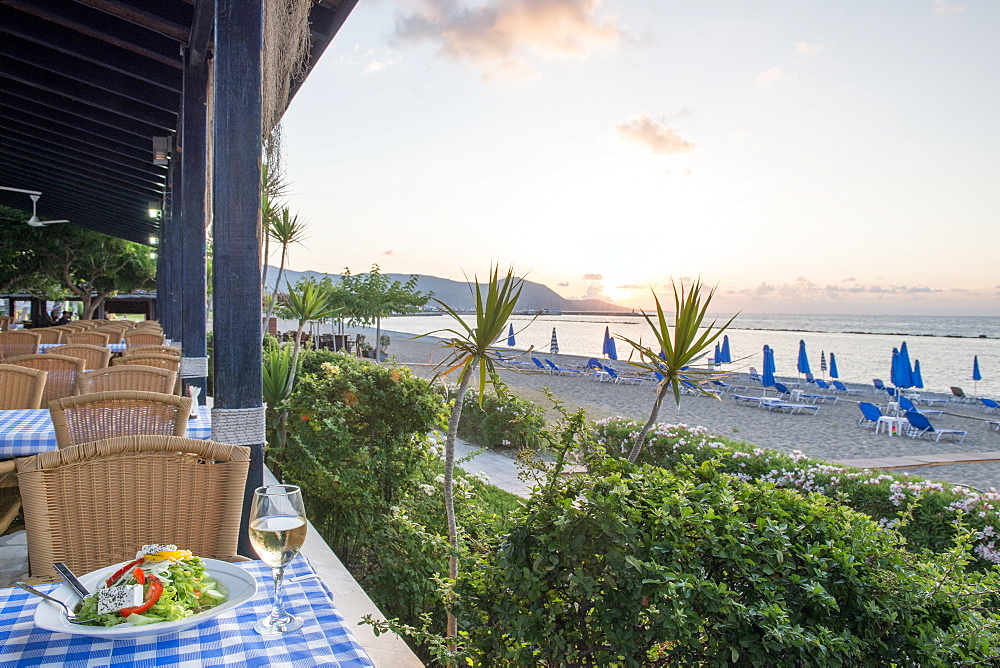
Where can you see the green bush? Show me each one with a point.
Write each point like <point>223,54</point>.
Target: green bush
<point>640,565</point>
<point>886,497</point>
<point>503,421</point>
<point>357,445</point>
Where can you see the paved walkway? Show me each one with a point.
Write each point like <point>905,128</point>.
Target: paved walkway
<point>917,461</point>
<point>502,471</point>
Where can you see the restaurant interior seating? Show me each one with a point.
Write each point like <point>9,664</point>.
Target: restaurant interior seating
<point>156,350</point>
<point>90,337</point>
<point>143,338</point>
<point>164,474</point>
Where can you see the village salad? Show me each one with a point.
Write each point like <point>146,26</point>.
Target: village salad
<point>162,584</point>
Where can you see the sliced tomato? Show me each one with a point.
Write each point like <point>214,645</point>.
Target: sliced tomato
<point>122,571</point>
<point>152,596</point>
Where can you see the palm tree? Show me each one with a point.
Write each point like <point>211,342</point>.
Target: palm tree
<point>471,349</point>
<point>285,229</point>
<point>676,353</point>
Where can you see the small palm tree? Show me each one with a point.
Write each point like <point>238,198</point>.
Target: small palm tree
<point>471,351</point>
<point>678,352</point>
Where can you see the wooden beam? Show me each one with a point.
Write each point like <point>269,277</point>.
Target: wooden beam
<point>193,145</point>
<point>99,25</point>
<point>239,41</point>
<point>58,133</point>
<point>140,18</point>
<point>99,77</point>
<point>90,49</point>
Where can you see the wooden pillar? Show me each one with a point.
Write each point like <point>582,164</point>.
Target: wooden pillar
<point>190,200</point>
<point>235,224</point>
<point>168,286</point>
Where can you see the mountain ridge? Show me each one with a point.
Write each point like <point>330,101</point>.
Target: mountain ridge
<point>456,294</point>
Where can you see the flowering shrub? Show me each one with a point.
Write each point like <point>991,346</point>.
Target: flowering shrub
<point>935,507</point>
<point>647,566</point>
<point>504,421</point>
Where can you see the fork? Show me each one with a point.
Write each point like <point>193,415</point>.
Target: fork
<point>69,614</point>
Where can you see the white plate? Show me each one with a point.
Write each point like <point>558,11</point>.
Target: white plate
<point>241,585</point>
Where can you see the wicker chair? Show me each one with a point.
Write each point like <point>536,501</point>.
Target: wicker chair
<point>127,377</point>
<point>21,387</point>
<point>146,492</point>
<point>90,337</point>
<point>5,322</point>
<point>143,338</point>
<point>62,371</point>
<point>114,333</point>
<point>92,417</point>
<point>10,497</point>
<point>49,335</point>
<point>155,350</point>
<point>94,357</point>
<point>151,359</point>
<point>16,343</point>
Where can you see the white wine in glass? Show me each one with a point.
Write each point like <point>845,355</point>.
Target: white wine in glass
<point>277,531</point>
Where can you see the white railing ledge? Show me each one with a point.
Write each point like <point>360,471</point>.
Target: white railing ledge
<point>387,649</point>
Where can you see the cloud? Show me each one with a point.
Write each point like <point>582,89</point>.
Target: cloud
<point>389,252</point>
<point>593,277</point>
<point>501,35</point>
<point>654,135</point>
<point>563,285</point>
<point>771,76</point>
<point>595,291</point>
<point>942,8</point>
<point>630,287</point>
<point>807,49</point>
<point>849,280</point>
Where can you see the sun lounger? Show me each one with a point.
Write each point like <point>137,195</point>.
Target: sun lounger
<point>959,395</point>
<point>754,376</point>
<point>794,409</point>
<point>921,426</point>
<point>989,406</point>
<point>879,385</point>
<point>746,400</point>
<point>906,406</point>
<point>620,379</point>
<point>840,387</point>
<point>995,425</point>
<point>870,414</point>
<point>557,370</point>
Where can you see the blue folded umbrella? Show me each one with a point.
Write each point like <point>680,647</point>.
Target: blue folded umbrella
<point>833,367</point>
<point>727,356</point>
<point>510,336</point>
<point>803,365</point>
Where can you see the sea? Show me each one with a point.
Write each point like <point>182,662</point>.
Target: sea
<point>944,345</point>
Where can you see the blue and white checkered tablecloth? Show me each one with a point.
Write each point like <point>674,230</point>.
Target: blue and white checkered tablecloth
<point>228,640</point>
<point>29,432</point>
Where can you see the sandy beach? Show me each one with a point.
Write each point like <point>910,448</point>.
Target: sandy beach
<point>830,434</point>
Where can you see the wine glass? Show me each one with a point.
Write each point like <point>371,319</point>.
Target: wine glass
<point>277,531</point>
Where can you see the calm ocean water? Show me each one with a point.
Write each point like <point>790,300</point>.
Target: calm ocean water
<point>945,345</point>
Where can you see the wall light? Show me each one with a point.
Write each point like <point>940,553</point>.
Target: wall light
<point>153,241</point>
<point>154,210</point>
<point>161,150</point>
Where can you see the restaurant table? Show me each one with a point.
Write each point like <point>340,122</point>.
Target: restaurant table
<point>29,431</point>
<point>325,638</point>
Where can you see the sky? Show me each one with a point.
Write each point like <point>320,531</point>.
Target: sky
<point>808,156</point>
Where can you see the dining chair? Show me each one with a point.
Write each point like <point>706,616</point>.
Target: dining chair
<point>90,337</point>
<point>166,488</point>
<point>49,335</point>
<point>156,350</point>
<point>92,417</point>
<point>5,322</point>
<point>21,387</point>
<point>62,373</point>
<point>124,377</point>
<point>18,342</point>
<point>142,338</point>
<point>94,357</point>
<point>10,496</point>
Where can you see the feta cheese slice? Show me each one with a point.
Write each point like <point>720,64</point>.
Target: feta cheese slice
<point>118,598</point>
<point>153,549</point>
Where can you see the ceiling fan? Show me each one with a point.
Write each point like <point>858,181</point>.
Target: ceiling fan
<point>34,221</point>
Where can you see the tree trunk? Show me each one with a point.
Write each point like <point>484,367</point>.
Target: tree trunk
<point>641,438</point>
<point>449,493</point>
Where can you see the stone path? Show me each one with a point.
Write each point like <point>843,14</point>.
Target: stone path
<point>917,461</point>
<point>502,471</point>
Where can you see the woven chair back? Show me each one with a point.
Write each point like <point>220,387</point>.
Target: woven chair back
<point>62,371</point>
<point>16,343</point>
<point>90,337</point>
<point>142,338</point>
<point>151,359</point>
<point>114,333</point>
<point>94,357</point>
<point>127,377</point>
<point>5,321</point>
<point>49,335</point>
<point>92,417</point>
<point>129,492</point>
<point>21,387</point>
<point>155,350</point>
